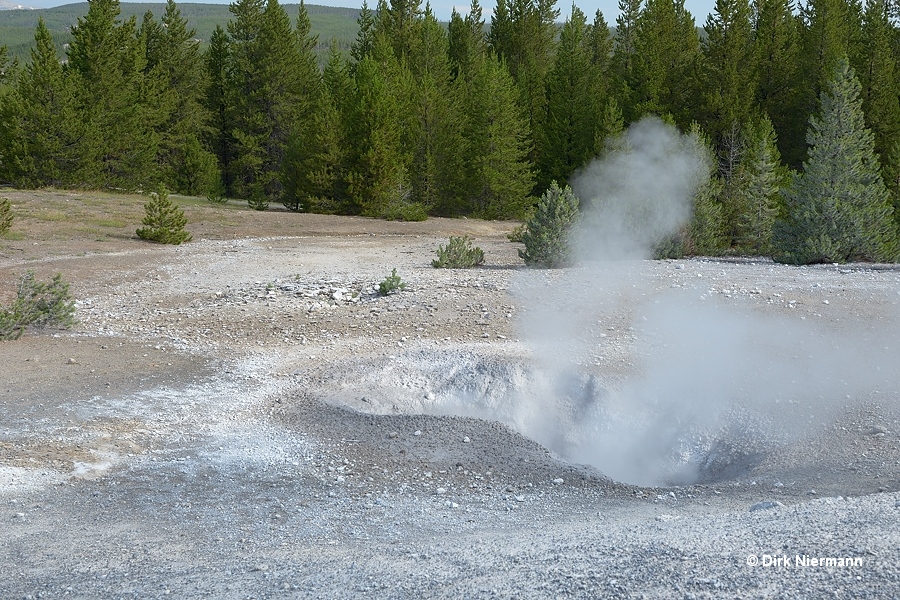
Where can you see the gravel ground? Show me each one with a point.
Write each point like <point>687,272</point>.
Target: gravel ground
<point>244,417</point>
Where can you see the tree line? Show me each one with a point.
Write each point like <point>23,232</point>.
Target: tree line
<point>479,118</point>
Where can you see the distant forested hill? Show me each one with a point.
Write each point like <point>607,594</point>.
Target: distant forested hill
<point>17,26</point>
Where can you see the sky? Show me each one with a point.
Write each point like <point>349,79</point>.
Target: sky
<point>442,8</point>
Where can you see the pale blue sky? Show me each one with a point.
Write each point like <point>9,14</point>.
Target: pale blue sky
<point>442,8</point>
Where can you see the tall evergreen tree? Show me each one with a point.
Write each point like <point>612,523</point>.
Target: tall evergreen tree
<point>760,178</point>
<point>365,36</point>
<point>498,171</point>
<point>173,56</point>
<point>301,159</point>
<point>831,30</point>
<point>622,67</point>
<point>526,46</point>
<point>666,62</point>
<point>568,131</point>
<point>378,172</point>
<point>328,178</point>
<point>49,125</point>
<point>401,24</point>
<point>106,60</point>
<point>216,61</point>
<point>467,41</point>
<point>838,209</point>
<point>437,160</point>
<point>729,84</point>
<point>776,52</point>
<point>266,79</point>
<point>880,80</point>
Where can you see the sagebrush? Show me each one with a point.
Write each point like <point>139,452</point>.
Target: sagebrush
<point>460,253</point>
<point>391,283</point>
<point>37,304</point>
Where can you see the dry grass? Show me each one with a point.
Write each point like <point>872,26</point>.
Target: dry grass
<point>49,223</point>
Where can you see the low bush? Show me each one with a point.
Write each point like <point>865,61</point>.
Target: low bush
<point>391,284</point>
<point>37,304</point>
<point>458,254</point>
<point>6,216</point>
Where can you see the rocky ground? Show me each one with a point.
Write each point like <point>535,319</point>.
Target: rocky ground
<point>245,417</point>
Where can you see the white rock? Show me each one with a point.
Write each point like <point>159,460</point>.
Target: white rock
<point>558,481</point>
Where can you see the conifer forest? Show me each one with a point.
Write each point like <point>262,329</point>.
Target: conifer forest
<point>796,105</point>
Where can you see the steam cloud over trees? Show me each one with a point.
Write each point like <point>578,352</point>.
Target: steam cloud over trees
<point>481,116</point>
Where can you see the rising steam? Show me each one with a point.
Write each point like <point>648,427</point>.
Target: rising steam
<point>706,376</point>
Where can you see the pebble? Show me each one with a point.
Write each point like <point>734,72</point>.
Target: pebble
<point>72,361</point>
<point>466,440</point>
<point>417,433</point>
<point>558,481</point>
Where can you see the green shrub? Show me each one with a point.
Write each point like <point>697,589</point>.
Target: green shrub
<point>6,216</point>
<point>216,194</point>
<point>517,234</point>
<point>459,254</point>
<point>391,284</point>
<point>39,305</point>
<point>546,235</point>
<point>403,211</point>
<point>164,222</point>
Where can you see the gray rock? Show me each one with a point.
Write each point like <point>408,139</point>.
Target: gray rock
<point>765,505</point>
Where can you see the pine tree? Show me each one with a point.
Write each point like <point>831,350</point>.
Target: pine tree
<point>838,209</point>
<point>622,67</point>
<point>174,57</point>
<point>437,160</point>
<point>265,95</point>
<point>525,44</point>
<point>880,80</point>
<point>219,130</point>
<point>302,156</point>
<point>568,130</point>
<point>760,178</point>
<point>401,25</point>
<point>378,173</point>
<point>547,233</point>
<point>706,230</point>
<point>832,29</point>
<point>500,178</point>
<point>365,36</point>
<point>467,42</point>
<point>666,62</point>
<point>4,64</point>
<point>106,60</point>
<point>48,126</point>
<point>329,177</point>
<point>776,51</point>
<point>729,84</point>
<point>163,221</point>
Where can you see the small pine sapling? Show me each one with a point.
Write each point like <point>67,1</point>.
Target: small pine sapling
<point>458,254</point>
<point>164,222</point>
<point>546,235</point>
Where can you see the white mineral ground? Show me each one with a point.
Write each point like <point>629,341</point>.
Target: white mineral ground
<point>247,418</point>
